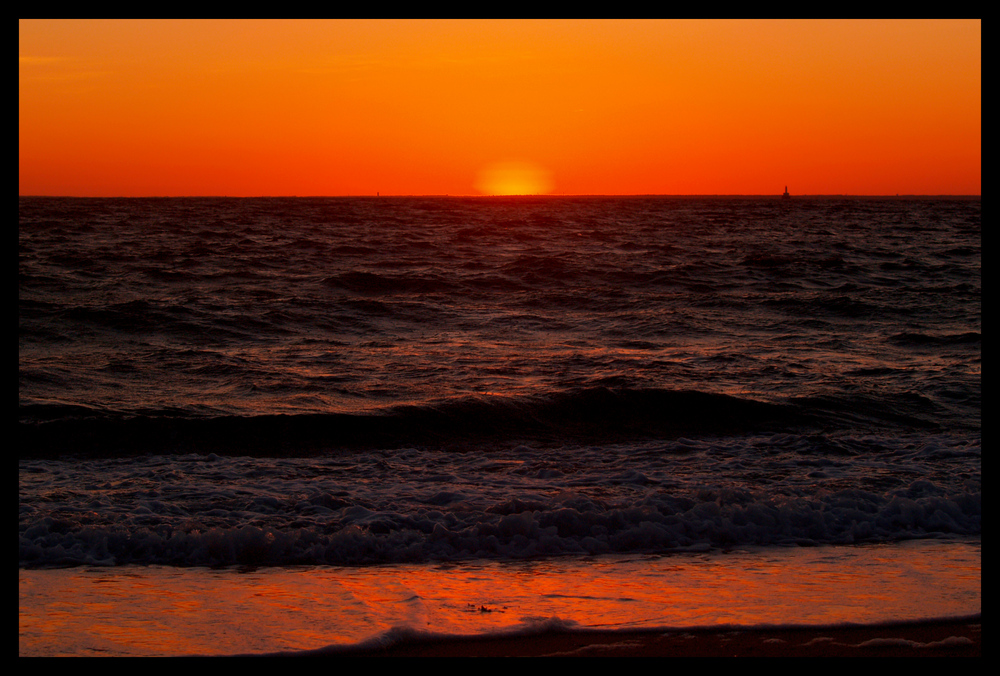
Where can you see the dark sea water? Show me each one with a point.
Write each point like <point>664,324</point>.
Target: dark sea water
<point>382,380</point>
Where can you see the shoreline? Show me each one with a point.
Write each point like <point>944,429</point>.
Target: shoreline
<point>917,599</point>
<point>960,637</point>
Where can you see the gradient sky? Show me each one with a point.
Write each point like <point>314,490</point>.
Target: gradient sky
<point>240,107</point>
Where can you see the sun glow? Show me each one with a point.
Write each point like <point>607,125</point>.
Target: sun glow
<point>514,178</point>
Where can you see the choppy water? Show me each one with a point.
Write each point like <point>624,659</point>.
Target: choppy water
<point>352,381</point>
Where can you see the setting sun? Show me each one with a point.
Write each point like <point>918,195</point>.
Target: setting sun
<point>514,178</point>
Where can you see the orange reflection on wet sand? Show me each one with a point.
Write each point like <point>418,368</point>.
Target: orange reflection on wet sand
<point>176,611</point>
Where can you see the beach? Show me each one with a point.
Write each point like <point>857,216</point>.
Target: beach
<point>890,598</point>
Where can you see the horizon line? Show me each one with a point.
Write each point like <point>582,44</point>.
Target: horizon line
<point>471,195</point>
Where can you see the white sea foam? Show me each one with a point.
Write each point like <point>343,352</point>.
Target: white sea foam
<point>427,505</point>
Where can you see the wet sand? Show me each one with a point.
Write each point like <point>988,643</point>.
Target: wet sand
<point>867,601</point>
<point>952,638</point>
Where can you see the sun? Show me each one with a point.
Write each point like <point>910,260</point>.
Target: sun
<point>514,178</point>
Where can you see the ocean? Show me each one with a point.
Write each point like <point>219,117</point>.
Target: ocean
<point>447,400</point>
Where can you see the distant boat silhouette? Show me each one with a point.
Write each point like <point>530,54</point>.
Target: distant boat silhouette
<point>785,195</point>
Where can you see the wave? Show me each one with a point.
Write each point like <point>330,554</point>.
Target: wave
<point>594,414</point>
<point>930,339</point>
<point>598,414</point>
<point>421,506</point>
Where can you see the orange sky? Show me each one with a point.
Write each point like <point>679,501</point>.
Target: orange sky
<point>127,108</point>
